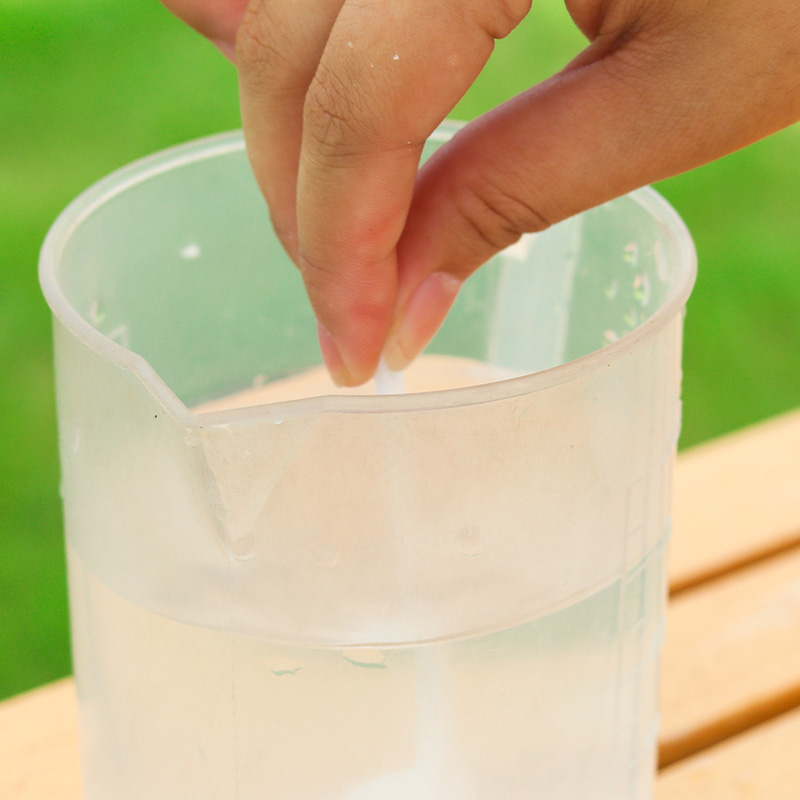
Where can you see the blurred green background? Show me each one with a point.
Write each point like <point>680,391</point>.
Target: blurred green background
<point>89,85</point>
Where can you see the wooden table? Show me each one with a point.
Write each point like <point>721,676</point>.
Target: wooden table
<point>730,702</point>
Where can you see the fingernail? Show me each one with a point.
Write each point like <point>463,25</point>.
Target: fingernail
<point>332,356</point>
<point>228,49</point>
<point>420,319</point>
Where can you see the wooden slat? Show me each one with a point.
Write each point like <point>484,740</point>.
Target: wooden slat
<point>737,499</point>
<point>731,655</point>
<point>762,764</point>
<point>39,745</point>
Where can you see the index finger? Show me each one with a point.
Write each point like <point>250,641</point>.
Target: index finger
<point>390,73</point>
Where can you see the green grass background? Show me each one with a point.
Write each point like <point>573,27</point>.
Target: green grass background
<point>89,85</point>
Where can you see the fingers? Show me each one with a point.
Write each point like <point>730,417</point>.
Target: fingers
<point>670,96</point>
<point>384,82</point>
<point>339,95</point>
<point>278,48</point>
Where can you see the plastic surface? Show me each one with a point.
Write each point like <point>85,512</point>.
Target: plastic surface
<point>445,594</point>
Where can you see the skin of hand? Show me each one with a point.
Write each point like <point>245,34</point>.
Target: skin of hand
<point>338,97</point>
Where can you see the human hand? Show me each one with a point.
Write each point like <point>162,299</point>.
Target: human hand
<point>338,97</point>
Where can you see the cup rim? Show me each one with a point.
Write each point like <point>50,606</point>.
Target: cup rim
<point>233,141</point>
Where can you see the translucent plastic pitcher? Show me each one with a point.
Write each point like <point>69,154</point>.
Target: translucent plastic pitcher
<point>451,594</point>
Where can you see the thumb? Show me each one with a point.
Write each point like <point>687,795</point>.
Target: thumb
<point>671,97</point>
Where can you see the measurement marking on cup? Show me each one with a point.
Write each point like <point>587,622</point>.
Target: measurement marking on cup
<point>95,313</point>
<point>191,251</point>
<point>120,335</point>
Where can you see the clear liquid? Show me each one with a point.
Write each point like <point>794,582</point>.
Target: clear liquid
<point>563,706</point>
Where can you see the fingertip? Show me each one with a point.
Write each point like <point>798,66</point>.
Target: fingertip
<point>332,357</point>
<point>343,371</point>
<point>421,317</point>
<point>354,301</point>
<point>396,358</point>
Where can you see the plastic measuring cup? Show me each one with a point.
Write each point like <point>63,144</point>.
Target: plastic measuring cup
<point>450,593</point>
